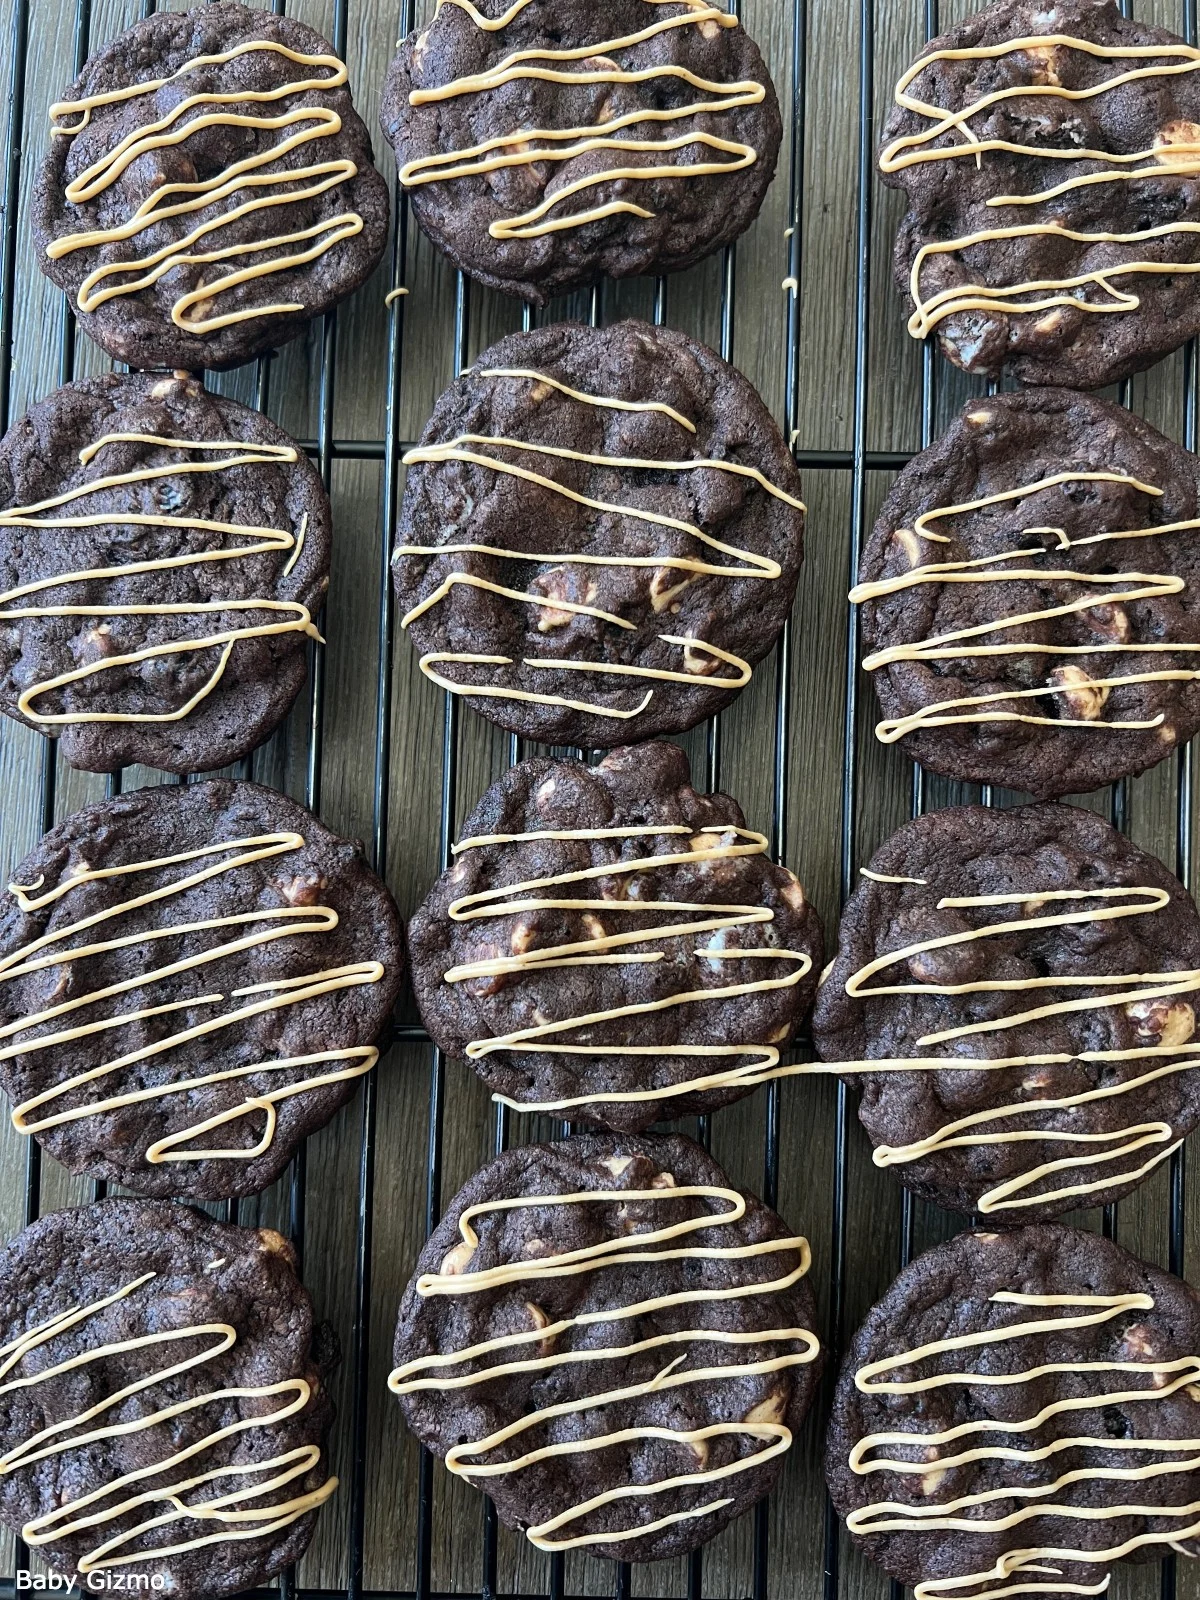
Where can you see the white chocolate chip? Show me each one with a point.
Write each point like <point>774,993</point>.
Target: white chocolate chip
<point>617,1164</point>
<point>793,893</point>
<point>1172,135</point>
<point>305,889</point>
<point>1051,322</point>
<point>1167,733</point>
<point>769,1410</point>
<point>910,544</point>
<point>663,1180</point>
<point>779,1035</point>
<point>699,662</point>
<point>931,1482</point>
<point>534,1247</point>
<point>455,1261</point>
<point>1111,622</point>
<point>1170,1023</point>
<point>523,937</point>
<point>1083,698</point>
<point>709,28</point>
<point>539,392</point>
<point>699,1448</point>
<point>825,971</point>
<point>1043,62</point>
<point>665,584</point>
<point>544,790</point>
<point>592,926</point>
<point>1038,1078</point>
<point>978,419</point>
<point>555,585</point>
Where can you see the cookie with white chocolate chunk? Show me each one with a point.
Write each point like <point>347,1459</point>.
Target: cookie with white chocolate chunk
<point>613,947</point>
<point>192,980</point>
<point>1031,596</point>
<point>165,1409</point>
<point>1049,155</point>
<point>208,188</point>
<point>164,554</point>
<point>545,142</point>
<point>1015,996</point>
<point>612,1341</point>
<point>1019,1413</point>
<point>601,534</point>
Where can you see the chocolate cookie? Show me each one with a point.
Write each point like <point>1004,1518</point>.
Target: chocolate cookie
<point>1031,596</point>
<point>601,534</point>
<point>1019,1412</point>
<point>164,553</point>
<point>163,1413</point>
<point>191,982</point>
<point>548,141</point>
<point>613,946</point>
<point>1049,155</point>
<point>208,188</point>
<point>612,1342</point>
<point>1014,994</point>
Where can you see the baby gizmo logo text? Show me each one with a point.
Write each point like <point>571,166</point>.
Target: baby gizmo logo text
<point>90,1583</point>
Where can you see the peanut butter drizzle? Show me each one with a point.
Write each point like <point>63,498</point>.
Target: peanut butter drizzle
<point>959,644</point>
<point>525,146</point>
<point>973,1130</point>
<point>300,126</point>
<point>1166,159</point>
<point>429,1372</point>
<point>263,927</point>
<point>696,652</point>
<point>885,1516</point>
<point>295,618</point>
<point>719,842</point>
<point>234,1512</point>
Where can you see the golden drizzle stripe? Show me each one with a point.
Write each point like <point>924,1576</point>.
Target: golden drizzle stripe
<point>1030,1565</point>
<point>721,842</point>
<point>1165,159</point>
<point>276,187</point>
<point>457,1278</point>
<point>976,643</point>
<point>697,653</point>
<point>43,514</point>
<point>257,928</point>
<point>976,1130</point>
<point>524,146</point>
<point>236,1513</point>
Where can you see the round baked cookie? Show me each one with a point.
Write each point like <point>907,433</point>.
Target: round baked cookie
<point>208,188</point>
<point>1049,157</point>
<point>1015,996</point>
<point>593,1013</point>
<point>1020,1408</point>
<point>192,979</point>
<point>158,1361</point>
<point>163,552</point>
<point>546,142</point>
<point>601,534</point>
<point>1079,523</point>
<point>587,1339</point>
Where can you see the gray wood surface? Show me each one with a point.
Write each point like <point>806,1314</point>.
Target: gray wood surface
<point>814,743</point>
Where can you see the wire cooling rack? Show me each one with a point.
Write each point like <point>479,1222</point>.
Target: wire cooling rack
<point>400,1533</point>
